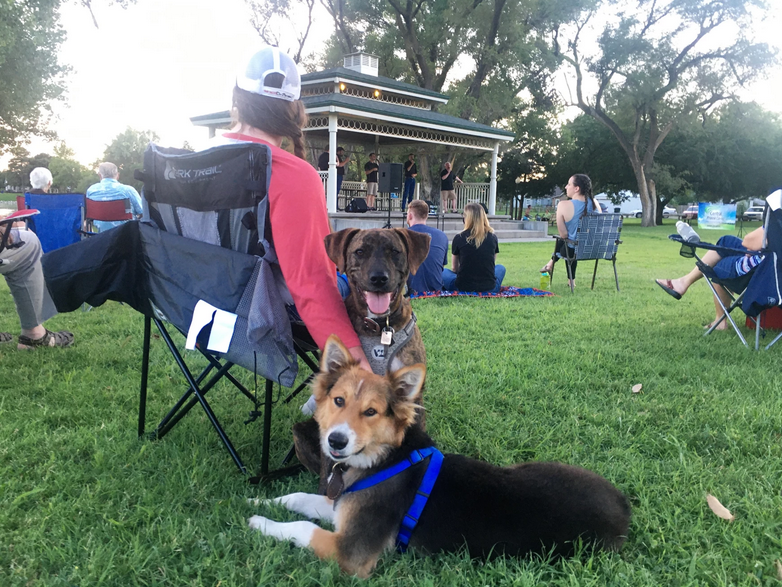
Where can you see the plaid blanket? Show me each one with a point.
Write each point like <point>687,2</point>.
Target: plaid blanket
<point>505,292</point>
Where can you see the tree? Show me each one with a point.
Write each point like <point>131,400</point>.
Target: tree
<point>659,63</point>
<point>277,25</point>
<point>126,151</point>
<point>30,73</point>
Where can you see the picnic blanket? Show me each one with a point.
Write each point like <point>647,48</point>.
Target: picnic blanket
<point>505,292</point>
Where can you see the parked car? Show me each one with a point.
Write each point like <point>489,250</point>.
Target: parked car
<point>753,213</point>
<point>667,211</point>
<point>690,213</point>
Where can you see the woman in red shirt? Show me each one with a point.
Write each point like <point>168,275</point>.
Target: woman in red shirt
<point>267,110</point>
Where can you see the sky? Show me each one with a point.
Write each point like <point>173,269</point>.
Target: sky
<point>157,63</point>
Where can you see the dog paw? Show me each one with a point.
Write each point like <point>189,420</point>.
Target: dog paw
<point>259,523</point>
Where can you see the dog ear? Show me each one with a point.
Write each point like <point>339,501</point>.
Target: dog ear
<point>337,245</point>
<point>408,382</point>
<point>335,356</point>
<point>417,247</point>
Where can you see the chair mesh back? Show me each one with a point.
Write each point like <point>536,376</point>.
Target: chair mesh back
<point>597,235</point>
<point>60,219</point>
<point>217,196</point>
<point>109,211</point>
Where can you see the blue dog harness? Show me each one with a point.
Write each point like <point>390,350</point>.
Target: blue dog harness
<point>410,520</point>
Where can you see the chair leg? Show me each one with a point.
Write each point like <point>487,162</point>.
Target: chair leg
<point>200,397</point>
<point>758,322</point>
<point>726,314</point>
<point>142,408</point>
<point>594,274</point>
<point>569,274</point>
<point>616,277</point>
<point>267,427</point>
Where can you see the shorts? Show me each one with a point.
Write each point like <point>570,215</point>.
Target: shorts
<point>726,268</point>
<point>372,188</point>
<point>448,195</point>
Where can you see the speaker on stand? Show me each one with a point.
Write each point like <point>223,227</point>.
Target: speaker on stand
<point>390,181</point>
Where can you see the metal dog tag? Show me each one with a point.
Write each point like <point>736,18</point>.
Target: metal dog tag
<point>387,336</point>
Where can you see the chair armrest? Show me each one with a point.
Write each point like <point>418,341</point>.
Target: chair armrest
<point>710,247</point>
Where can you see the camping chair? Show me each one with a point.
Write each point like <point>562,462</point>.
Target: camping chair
<point>20,205</point>
<point>227,207</point>
<point>755,291</point>
<point>107,211</point>
<point>7,224</point>
<point>60,219</point>
<point>597,238</point>
<point>202,261</point>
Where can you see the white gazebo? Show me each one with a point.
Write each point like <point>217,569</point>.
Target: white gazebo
<point>356,105</point>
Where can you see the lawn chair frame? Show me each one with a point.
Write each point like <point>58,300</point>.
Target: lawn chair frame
<point>597,237</point>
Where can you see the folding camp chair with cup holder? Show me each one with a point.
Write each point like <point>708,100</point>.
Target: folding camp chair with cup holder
<point>597,238</point>
<point>753,292</point>
<point>202,260</point>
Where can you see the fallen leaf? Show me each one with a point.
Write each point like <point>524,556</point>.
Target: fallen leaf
<point>638,387</point>
<point>778,565</point>
<point>719,509</point>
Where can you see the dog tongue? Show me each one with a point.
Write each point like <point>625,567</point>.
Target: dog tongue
<point>378,302</point>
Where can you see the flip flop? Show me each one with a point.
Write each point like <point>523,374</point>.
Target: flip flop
<point>5,337</point>
<point>668,288</point>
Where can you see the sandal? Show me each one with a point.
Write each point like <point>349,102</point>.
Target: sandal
<point>5,337</point>
<point>50,339</point>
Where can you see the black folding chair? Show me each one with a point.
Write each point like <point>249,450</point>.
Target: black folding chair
<point>203,261</point>
<point>597,238</point>
<point>755,291</point>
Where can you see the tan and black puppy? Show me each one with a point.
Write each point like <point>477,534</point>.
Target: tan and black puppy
<point>377,263</point>
<point>367,425</point>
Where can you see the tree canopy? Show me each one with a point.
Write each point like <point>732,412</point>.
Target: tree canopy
<point>31,75</point>
<point>657,64</point>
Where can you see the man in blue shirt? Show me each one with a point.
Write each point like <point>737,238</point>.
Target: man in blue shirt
<point>110,188</point>
<point>429,276</point>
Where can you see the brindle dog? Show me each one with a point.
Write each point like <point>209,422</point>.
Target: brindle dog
<point>377,263</point>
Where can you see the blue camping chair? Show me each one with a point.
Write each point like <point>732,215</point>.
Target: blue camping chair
<point>759,289</point>
<point>60,219</point>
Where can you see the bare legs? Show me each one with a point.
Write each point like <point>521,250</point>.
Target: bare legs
<point>682,284</point>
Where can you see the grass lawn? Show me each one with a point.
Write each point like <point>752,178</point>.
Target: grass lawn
<point>8,197</point>
<point>84,502</point>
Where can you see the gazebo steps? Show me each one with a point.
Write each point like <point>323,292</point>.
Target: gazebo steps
<point>507,230</point>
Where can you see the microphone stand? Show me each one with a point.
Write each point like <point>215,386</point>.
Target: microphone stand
<point>388,219</point>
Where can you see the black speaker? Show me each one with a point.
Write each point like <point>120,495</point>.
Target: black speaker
<point>390,178</point>
<point>357,205</point>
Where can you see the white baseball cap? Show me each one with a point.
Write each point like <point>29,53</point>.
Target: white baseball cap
<point>252,75</point>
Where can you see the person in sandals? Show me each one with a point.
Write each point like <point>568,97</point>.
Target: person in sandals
<point>20,264</point>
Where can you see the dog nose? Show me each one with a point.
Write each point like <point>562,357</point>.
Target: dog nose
<point>337,440</point>
<point>379,279</point>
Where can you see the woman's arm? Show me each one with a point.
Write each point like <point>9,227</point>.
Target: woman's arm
<point>561,228</point>
<point>455,263</point>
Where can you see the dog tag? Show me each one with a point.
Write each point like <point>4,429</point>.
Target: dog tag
<point>387,336</point>
<point>336,483</point>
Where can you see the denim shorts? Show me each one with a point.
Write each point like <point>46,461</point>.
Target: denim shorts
<point>726,267</point>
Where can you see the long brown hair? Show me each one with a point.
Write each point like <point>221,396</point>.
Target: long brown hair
<point>476,221</point>
<point>277,117</point>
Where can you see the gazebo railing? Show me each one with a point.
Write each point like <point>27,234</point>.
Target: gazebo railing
<point>471,192</point>
<point>465,193</point>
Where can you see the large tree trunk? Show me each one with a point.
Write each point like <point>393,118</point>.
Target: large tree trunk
<point>646,192</point>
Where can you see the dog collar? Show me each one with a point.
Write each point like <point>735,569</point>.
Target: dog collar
<point>410,521</point>
<point>379,352</point>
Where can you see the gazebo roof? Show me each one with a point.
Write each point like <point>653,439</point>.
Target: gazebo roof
<point>338,74</point>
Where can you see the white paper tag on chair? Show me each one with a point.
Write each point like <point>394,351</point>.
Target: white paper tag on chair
<point>222,327</point>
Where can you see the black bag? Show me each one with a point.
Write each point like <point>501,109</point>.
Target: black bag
<point>357,205</point>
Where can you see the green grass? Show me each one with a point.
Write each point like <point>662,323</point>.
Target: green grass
<point>8,197</point>
<point>84,502</point>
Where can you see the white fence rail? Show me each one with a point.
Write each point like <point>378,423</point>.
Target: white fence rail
<point>465,193</point>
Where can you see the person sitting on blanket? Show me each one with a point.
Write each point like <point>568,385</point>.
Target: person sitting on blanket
<point>580,202</point>
<point>473,255</point>
<point>726,264</point>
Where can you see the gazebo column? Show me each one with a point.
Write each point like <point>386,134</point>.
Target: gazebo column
<point>331,182</point>
<point>493,181</point>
